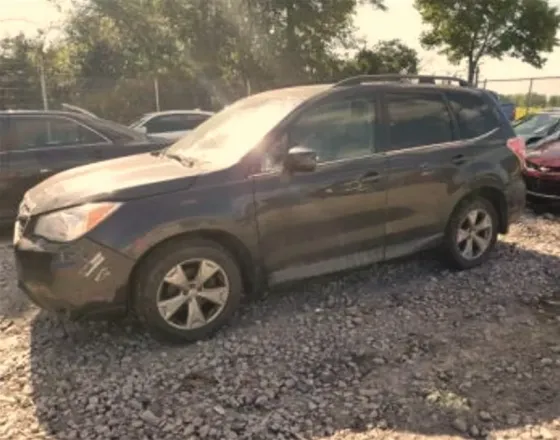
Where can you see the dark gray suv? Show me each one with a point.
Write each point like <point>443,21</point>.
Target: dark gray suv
<point>282,185</point>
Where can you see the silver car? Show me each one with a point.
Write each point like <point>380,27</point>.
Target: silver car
<point>170,124</point>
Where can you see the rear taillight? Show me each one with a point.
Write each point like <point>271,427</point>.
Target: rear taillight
<point>517,145</point>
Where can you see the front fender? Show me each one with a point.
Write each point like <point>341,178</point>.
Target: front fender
<point>141,224</point>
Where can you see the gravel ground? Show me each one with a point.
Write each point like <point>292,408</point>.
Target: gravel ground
<point>406,350</point>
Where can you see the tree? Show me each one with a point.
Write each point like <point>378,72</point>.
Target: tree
<point>536,100</point>
<point>205,53</point>
<point>533,100</point>
<point>19,73</point>
<point>262,42</point>
<point>391,56</point>
<point>471,30</point>
<point>554,101</point>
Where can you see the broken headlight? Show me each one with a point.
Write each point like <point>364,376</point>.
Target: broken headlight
<point>70,224</point>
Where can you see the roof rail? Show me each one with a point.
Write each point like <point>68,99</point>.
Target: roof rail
<point>422,79</point>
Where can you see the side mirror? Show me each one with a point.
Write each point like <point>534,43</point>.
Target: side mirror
<point>300,159</point>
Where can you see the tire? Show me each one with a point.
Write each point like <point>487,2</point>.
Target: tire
<point>152,276</point>
<point>454,251</point>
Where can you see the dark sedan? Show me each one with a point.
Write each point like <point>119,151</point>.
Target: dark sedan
<point>37,144</point>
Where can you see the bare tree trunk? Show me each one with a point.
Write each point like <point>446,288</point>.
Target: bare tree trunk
<point>292,61</point>
<point>471,70</point>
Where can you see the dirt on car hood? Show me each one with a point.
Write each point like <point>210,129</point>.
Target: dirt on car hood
<point>137,176</point>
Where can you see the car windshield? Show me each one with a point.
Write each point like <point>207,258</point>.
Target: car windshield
<point>534,122</point>
<point>233,132</point>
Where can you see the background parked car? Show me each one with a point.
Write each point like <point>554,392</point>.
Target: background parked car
<point>171,124</point>
<point>537,126</point>
<point>37,144</point>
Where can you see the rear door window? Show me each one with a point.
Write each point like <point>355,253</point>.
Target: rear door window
<point>35,132</point>
<point>417,119</point>
<point>475,116</point>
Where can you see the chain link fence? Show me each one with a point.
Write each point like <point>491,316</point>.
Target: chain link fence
<point>530,94</point>
<point>126,99</point>
<point>122,100</point>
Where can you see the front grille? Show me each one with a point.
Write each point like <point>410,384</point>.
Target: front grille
<point>542,186</point>
<point>542,168</point>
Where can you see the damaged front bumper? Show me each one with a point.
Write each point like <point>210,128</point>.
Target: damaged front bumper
<point>80,279</point>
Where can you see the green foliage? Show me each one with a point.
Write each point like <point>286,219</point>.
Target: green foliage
<point>19,79</point>
<point>465,30</point>
<point>554,101</point>
<point>390,56</point>
<point>205,53</point>
<point>535,100</point>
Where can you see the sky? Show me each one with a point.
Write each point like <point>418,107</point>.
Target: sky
<point>399,22</point>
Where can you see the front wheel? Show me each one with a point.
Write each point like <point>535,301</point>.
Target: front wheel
<point>186,290</point>
<point>471,233</point>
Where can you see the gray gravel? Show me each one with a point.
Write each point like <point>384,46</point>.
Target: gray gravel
<point>406,350</point>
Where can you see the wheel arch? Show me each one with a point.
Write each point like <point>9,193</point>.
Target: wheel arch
<point>250,270</point>
<point>495,196</point>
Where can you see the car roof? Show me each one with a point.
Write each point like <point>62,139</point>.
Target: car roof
<point>403,85</point>
<point>179,112</point>
<point>45,113</point>
<point>310,91</point>
<point>61,113</point>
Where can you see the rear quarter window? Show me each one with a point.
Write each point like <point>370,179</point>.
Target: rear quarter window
<point>475,116</point>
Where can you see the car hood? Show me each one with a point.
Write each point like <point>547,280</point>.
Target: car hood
<point>547,154</point>
<point>129,177</point>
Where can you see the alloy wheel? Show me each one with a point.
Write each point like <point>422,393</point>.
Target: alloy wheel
<point>474,235</point>
<point>193,293</point>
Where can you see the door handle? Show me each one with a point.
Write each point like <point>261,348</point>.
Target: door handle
<point>459,159</point>
<point>44,170</point>
<point>370,177</point>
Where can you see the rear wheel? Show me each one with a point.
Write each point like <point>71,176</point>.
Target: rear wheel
<point>187,290</point>
<point>471,233</point>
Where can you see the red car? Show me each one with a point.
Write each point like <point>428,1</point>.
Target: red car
<point>542,171</point>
